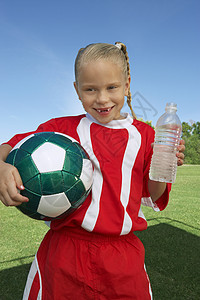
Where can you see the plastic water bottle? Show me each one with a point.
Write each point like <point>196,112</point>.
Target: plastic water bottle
<point>167,136</point>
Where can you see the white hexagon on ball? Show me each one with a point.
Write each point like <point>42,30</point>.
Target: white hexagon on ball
<point>49,157</point>
<point>53,205</point>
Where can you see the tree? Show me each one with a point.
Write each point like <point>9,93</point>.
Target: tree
<point>191,135</point>
<point>186,130</point>
<point>196,129</point>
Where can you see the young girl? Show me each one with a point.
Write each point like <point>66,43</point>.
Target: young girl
<point>93,253</point>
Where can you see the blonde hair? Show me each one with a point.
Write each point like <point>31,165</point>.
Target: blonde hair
<point>116,53</point>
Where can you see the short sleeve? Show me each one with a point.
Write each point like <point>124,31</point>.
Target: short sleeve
<point>47,126</point>
<point>161,203</point>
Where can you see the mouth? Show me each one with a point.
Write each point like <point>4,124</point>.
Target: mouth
<point>104,111</point>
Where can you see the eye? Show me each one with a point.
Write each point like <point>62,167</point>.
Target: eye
<point>112,87</point>
<point>90,90</point>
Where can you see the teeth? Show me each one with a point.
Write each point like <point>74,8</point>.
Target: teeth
<point>104,110</point>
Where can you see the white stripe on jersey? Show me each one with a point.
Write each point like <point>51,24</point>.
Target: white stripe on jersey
<point>32,273</point>
<point>150,291</point>
<point>132,148</point>
<point>92,212</point>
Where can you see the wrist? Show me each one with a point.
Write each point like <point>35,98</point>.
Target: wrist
<point>156,189</point>
<point>4,151</point>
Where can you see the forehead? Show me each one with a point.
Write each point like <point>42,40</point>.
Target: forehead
<point>100,68</point>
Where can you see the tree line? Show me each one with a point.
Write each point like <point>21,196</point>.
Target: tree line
<point>191,135</point>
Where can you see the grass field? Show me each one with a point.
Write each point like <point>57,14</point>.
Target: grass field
<point>171,242</point>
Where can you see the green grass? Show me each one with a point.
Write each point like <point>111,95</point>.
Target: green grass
<point>20,238</point>
<point>171,242</point>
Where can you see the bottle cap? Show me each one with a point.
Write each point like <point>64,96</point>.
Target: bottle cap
<point>171,105</point>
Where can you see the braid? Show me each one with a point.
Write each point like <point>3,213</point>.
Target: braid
<point>80,50</point>
<point>129,97</point>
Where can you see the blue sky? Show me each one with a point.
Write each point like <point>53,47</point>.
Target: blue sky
<point>40,40</point>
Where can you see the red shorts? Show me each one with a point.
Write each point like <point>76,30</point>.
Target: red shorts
<point>77,265</point>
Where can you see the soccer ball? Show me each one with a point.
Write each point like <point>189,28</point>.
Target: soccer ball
<point>56,172</point>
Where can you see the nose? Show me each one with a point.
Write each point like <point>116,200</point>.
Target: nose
<point>102,97</point>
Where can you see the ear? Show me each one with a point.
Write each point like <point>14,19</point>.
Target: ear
<point>77,91</point>
<point>127,85</point>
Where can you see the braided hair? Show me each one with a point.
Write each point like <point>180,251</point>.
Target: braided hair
<point>114,53</point>
<point>129,97</point>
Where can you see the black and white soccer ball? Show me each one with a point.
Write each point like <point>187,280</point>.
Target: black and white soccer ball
<point>56,172</point>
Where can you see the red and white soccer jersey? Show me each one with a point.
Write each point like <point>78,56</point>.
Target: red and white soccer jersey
<point>120,152</point>
<point>93,253</point>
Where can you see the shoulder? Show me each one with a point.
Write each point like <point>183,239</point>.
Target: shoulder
<point>146,131</point>
<point>68,119</point>
<point>143,127</point>
<point>61,123</point>
<point>66,125</point>
<point>147,136</point>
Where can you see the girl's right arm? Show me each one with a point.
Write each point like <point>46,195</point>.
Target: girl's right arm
<point>10,180</point>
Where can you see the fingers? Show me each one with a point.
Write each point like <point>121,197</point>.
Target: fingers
<point>10,185</point>
<point>14,196</point>
<point>11,197</point>
<point>181,146</point>
<point>17,178</point>
<point>182,142</point>
<point>180,155</point>
<point>180,159</point>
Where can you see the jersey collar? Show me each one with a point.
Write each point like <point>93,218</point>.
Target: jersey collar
<point>116,124</point>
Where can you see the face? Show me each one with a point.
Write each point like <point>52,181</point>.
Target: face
<point>101,89</point>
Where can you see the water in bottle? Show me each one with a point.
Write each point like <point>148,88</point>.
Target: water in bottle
<point>167,136</point>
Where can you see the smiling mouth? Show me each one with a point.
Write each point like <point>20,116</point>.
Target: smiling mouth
<point>104,110</point>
